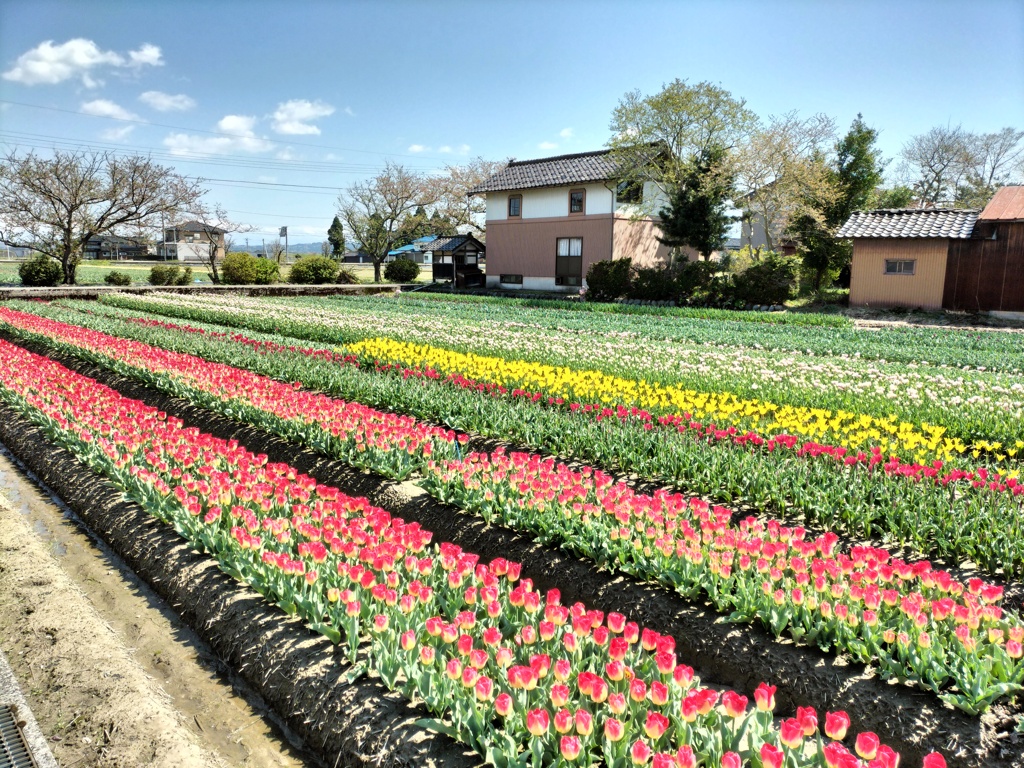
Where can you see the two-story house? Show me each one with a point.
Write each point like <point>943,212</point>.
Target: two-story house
<point>191,241</point>
<point>549,219</point>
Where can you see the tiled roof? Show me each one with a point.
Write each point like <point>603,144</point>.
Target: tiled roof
<point>445,244</point>
<point>1006,205</point>
<point>551,172</point>
<point>910,222</point>
<point>198,226</point>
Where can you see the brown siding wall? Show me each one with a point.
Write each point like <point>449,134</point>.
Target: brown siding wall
<point>985,274</point>
<point>527,246</point>
<point>870,286</point>
<point>638,240</point>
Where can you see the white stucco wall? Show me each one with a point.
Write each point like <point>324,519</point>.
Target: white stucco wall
<point>654,200</point>
<point>549,202</point>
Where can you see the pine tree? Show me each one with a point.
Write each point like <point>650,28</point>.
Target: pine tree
<point>696,215</point>
<point>336,237</point>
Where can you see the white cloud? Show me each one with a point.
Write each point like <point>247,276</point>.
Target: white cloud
<point>49,64</point>
<point>565,133</point>
<point>242,138</point>
<point>107,108</point>
<point>117,134</point>
<point>148,54</point>
<point>165,102</point>
<point>286,154</point>
<point>445,150</point>
<point>349,112</point>
<point>415,148</point>
<point>292,117</point>
<point>547,145</point>
<point>464,149</point>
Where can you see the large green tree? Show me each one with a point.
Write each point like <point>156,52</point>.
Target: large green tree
<point>336,237</point>
<point>655,137</point>
<point>696,215</point>
<point>853,174</point>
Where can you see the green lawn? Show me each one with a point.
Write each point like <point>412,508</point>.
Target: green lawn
<point>93,274</point>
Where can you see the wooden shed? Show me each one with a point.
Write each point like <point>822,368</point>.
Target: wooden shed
<point>936,258</point>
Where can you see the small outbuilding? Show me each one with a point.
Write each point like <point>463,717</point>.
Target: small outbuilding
<point>936,258</point>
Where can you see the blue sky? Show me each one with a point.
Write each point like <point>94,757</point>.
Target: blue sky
<point>257,95</point>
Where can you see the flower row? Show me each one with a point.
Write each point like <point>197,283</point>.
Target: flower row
<point>953,513</point>
<point>519,676</point>
<point>911,621</point>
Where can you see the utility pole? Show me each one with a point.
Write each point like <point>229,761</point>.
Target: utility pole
<point>284,233</point>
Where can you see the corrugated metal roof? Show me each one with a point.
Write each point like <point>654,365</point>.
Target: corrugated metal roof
<point>445,244</point>
<point>551,172</point>
<point>1006,205</point>
<point>910,222</point>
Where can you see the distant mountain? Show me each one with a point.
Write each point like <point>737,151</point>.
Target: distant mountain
<point>292,248</point>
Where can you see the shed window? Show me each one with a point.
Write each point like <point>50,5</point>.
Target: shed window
<point>899,266</point>
<point>512,279</point>
<point>515,206</point>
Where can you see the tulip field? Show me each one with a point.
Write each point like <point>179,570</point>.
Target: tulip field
<point>855,494</point>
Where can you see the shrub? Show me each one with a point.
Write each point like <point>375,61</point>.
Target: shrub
<point>40,271</point>
<point>654,285</point>
<point>770,281</point>
<point>239,269</point>
<point>313,270</point>
<point>117,278</point>
<point>694,277</point>
<point>346,276</point>
<point>170,274</point>
<point>609,279</point>
<point>401,271</point>
<point>267,271</point>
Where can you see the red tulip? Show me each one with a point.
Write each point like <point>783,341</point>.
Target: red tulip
<point>867,745</point>
<point>584,722</point>
<point>685,757</point>
<point>538,721</point>
<point>734,704</point>
<point>836,725</point>
<point>640,753</point>
<point>563,721</point>
<point>791,733</point>
<point>655,725</point>
<point>772,756</point>
<point>614,730</point>
<point>934,760</point>
<point>503,704</point>
<point>764,697</point>
<point>731,760</point>
<point>570,747</point>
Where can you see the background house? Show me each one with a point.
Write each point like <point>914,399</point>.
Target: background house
<point>115,248</point>
<point>462,254</point>
<point>549,219</point>
<point>190,241</point>
<point>940,258</point>
<point>417,251</point>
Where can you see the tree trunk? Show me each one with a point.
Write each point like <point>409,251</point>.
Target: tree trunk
<point>376,271</point>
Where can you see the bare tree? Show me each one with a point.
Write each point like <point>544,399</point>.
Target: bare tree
<point>326,249</point>
<point>778,167</point>
<point>939,162</point>
<point>56,205</point>
<point>998,157</point>
<point>373,211</point>
<point>274,249</point>
<point>450,192</point>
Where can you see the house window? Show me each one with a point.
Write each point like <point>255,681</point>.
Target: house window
<point>577,201</point>
<point>515,206</point>
<point>569,261</point>
<point>512,279</point>
<point>899,266</point>
<point>630,192</point>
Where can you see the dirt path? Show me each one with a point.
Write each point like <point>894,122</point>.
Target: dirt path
<point>112,675</point>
